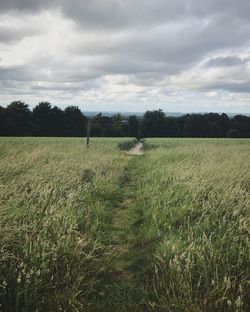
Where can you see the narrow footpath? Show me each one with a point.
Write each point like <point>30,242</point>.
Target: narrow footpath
<point>136,150</point>
<point>123,220</point>
<point>124,288</point>
<point>125,283</point>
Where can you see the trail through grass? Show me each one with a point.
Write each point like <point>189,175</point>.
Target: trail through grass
<point>123,290</point>
<point>122,234</point>
<point>101,230</point>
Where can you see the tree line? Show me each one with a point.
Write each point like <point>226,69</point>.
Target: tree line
<point>17,119</point>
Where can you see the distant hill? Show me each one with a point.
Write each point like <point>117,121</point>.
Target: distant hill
<point>140,114</point>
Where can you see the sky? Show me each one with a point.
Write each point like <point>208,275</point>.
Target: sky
<point>127,55</point>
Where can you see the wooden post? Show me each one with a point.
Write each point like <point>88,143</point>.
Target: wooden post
<point>88,132</point>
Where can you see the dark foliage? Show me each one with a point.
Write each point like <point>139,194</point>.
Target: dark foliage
<point>148,146</point>
<point>133,126</point>
<point>17,119</point>
<point>44,120</point>
<point>47,121</point>
<point>74,122</point>
<point>127,145</point>
<point>153,124</point>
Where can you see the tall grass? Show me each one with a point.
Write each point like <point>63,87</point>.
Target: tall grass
<point>54,196</point>
<point>127,145</point>
<point>193,205</point>
<point>186,230</point>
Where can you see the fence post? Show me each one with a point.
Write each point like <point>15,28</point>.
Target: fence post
<point>88,132</point>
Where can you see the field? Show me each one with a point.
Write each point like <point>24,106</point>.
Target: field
<point>100,230</point>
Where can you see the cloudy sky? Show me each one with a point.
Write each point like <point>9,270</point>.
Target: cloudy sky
<point>127,55</point>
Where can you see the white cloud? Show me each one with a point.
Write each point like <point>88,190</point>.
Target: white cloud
<point>127,55</point>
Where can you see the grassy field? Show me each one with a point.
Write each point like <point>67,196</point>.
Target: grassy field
<point>99,230</point>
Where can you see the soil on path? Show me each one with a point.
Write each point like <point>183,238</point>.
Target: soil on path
<point>125,280</point>
<point>136,150</point>
<point>122,234</point>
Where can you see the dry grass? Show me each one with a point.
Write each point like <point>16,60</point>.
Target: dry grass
<point>186,229</point>
<point>194,202</point>
<point>54,207</point>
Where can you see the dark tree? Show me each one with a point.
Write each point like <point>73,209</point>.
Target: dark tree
<point>217,124</point>
<point>18,117</point>
<point>57,118</point>
<point>117,125</point>
<point>153,124</point>
<point>233,133</point>
<point>74,122</point>
<point>17,120</point>
<point>42,119</point>
<point>195,126</point>
<point>242,124</point>
<point>181,122</point>
<point>102,125</point>
<point>96,127</point>
<point>3,130</point>
<point>171,128</point>
<point>133,126</point>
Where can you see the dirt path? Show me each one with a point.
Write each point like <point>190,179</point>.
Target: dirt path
<point>123,219</point>
<point>124,280</point>
<point>122,222</point>
<point>136,150</point>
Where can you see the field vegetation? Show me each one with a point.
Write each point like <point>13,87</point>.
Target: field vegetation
<point>101,230</point>
<point>45,120</point>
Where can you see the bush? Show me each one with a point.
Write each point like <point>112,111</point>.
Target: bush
<point>233,133</point>
<point>127,145</point>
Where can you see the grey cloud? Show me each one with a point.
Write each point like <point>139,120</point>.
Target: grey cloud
<point>15,73</point>
<point>227,61</point>
<point>228,8</point>
<point>117,13</point>
<point>12,35</point>
<point>70,87</point>
<point>148,41</point>
<point>235,87</point>
<point>102,14</point>
<point>168,48</point>
<point>52,73</point>
<point>26,5</point>
<point>114,13</point>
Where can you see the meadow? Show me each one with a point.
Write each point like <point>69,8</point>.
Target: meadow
<point>100,230</point>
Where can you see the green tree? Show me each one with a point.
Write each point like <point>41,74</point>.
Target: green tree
<point>18,118</point>
<point>2,121</point>
<point>133,126</point>
<point>153,124</point>
<point>74,122</point>
<point>42,119</point>
<point>195,126</point>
